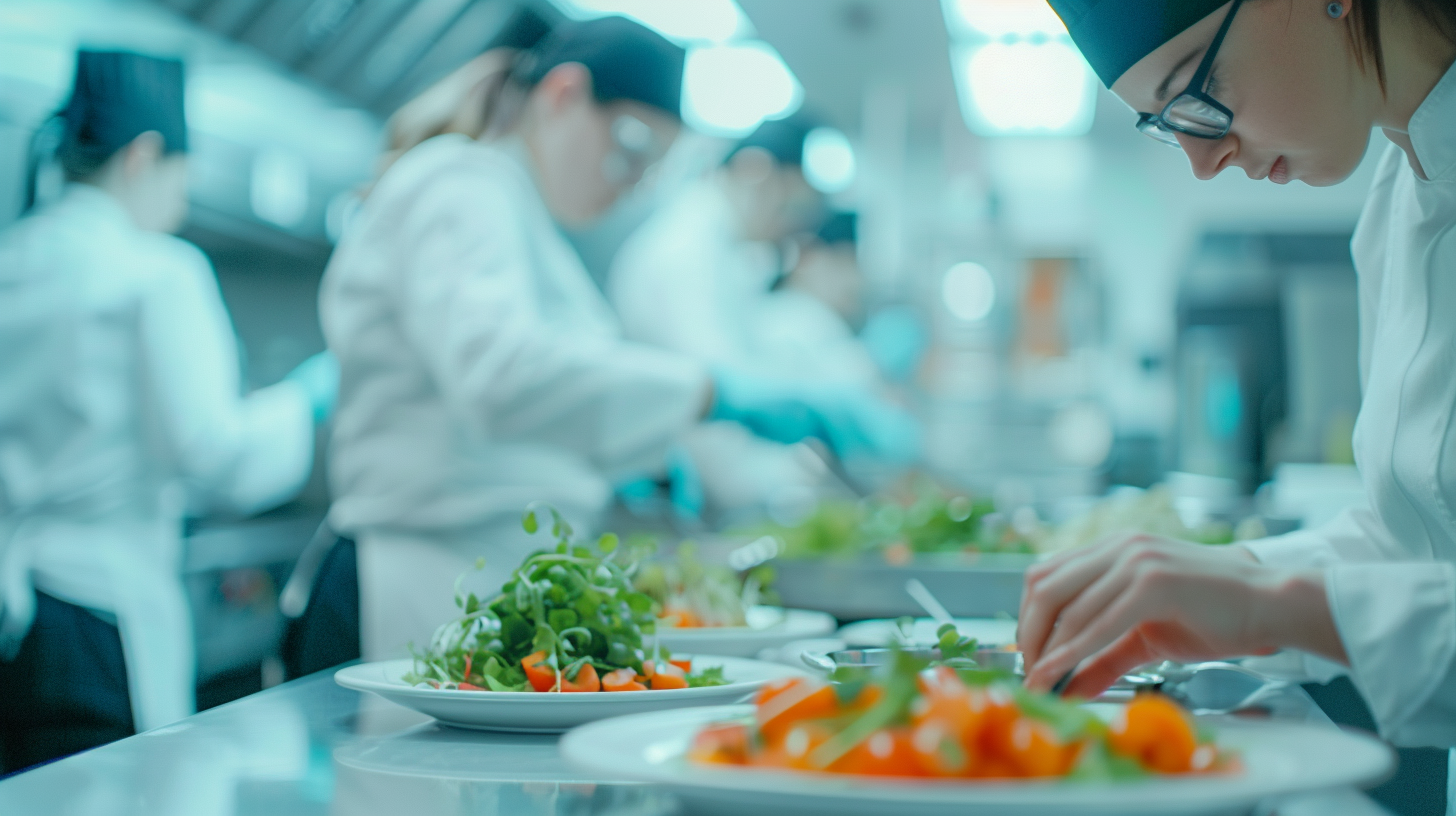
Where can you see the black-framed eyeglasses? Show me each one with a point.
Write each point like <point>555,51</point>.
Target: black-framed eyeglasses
<point>1193,112</point>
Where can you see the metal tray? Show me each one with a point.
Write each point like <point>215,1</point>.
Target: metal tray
<point>971,585</point>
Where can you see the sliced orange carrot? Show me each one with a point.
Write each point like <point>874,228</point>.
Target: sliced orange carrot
<point>782,705</point>
<point>669,676</point>
<point>586,680</point>
<point>622,680</point>
<point>1156,732</point>
<point>541,677</point>
<point>685,665</point>
<point>468,687</point>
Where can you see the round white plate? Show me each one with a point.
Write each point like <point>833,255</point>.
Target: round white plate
<point>768,626</point>
<point>1279,758</point>
<point>989,631</point>
<point>532,712</point>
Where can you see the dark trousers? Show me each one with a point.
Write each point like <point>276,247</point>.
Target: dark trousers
<point>66,689</point>
<point>327,633</point>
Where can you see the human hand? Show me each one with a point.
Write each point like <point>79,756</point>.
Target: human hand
<point>1135,599</point>
<point>851,421</point>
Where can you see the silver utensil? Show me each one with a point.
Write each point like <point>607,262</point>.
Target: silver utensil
<point>928,602</point>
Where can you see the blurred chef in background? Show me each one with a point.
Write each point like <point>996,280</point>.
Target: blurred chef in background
<point>690,278</point>
<point>706,276</point>
<point>120,412</point>
<point>482,368</point>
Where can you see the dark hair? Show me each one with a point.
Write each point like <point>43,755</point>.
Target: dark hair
<point>1364,30</point>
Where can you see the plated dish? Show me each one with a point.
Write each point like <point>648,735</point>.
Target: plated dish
<point>552,713</point>
<point>1278,758</point>
<point>566,640</point>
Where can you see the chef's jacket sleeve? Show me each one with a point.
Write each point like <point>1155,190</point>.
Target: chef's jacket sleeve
<point>1354,535</point>
<point>242,453</point>
<point>469,305</point>
<point>1398,625</point>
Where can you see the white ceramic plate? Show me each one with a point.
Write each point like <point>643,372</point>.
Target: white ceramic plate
<point>1279,758</point>
<point>989,631</point>
<point>531,712</point>
<point>768,627</point>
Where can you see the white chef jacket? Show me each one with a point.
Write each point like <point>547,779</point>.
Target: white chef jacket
<point>686,281</point>
<point>119,406</point>
<point>481,370</point>
<point>1391,578</point>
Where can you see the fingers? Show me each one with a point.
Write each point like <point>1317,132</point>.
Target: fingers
<point>1130,563</point>
<point>1049,592</point>
<point>1100,671</point>
<point>1137,604</point>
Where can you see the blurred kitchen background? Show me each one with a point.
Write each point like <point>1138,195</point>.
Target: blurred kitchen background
<point>1091,315</point>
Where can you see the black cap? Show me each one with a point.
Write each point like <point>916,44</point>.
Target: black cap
<point>627,60</point>
<point>1114,34</point>
<point>782,138</point>
<point>116,97</point>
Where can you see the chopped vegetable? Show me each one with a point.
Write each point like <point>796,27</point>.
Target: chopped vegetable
<point>922,720</point>
<point>567,620</point>
<point>693,594</point>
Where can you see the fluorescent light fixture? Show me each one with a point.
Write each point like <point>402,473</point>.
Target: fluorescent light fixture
<point>828,160</point>
<point>969,291</point>
<point>1025,88</point>
<point>714,21</point>
<point>995,19</point>
<point>729,89</point>
<point>1016,69</point>
<point>279,189</point>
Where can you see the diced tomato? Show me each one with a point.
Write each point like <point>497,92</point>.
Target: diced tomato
<point>793,747</point>
<point>887,752</point>
<point>622,680</point>
<point>783,704</point>
<point>541,677</point>
<point>586,680</point>
<point>668,676</point>
<point>469,687</point>
<point>721,743</point>
<point>1035,750</point>
<point>681,617</point>
<point>1157,733</point>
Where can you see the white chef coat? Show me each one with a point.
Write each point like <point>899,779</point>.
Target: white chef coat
<point>481,370</point>
<point>119,406</point>
<point>686,281</point>
<point>1391,578</point>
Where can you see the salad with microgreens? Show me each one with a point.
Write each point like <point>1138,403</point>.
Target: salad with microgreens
<point>567,620</point>
<point>949,718</point>
<point>693,594</point>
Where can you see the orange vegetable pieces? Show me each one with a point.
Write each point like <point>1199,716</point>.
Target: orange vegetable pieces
<point>722,744</point>
<point>468,687</point>
<point>542,677</point>
<point>887,752</point>
<point>681,617</point>
<point>990,742</point>
<point>586,680</point>
<point>946,720</point>
<point>784,703</point>
<point>1033,749</point>
<point>685,665</point>
<point>668,676</point>
<point>622,680</point>
<point>1157,733</point>
<point>793,747</point>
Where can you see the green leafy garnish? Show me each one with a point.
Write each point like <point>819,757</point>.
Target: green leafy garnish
<point>575,603</point>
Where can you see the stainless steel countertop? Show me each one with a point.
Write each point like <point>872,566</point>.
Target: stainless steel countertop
<point>312,747</point>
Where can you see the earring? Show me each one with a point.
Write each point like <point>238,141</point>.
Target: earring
<point>1335,9</point>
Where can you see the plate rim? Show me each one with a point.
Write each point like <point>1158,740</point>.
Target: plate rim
<point>347,677</point>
